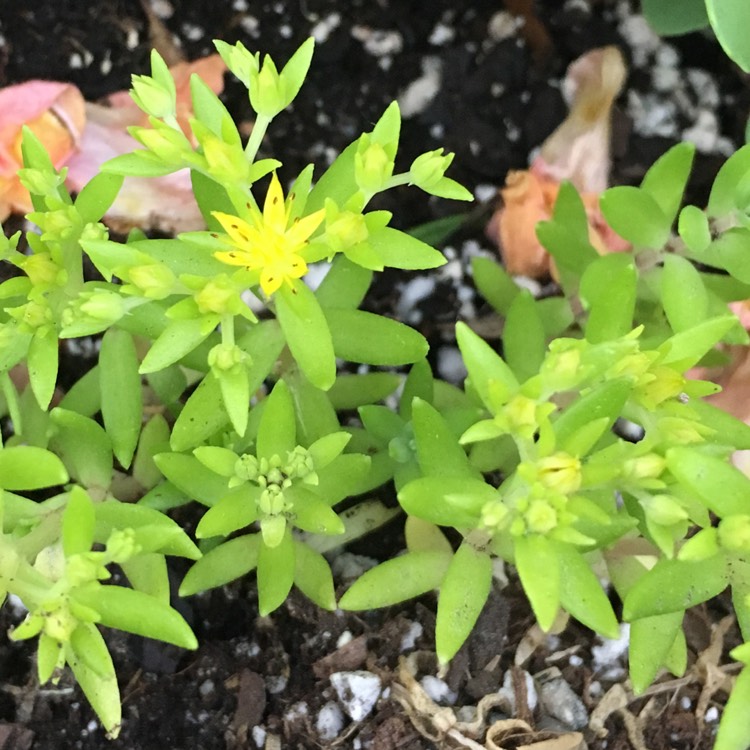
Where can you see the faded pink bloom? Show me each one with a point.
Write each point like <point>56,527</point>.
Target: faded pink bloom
<point>55,114</point>
<point>82,136</point>
<point>577,151</point>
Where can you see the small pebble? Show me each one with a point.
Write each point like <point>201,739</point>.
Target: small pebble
<point>259,735</point>
<point>409,639</point>
<point>330,721</point>
<point>357,692</point>
<point>560,702</point>
<point>438,690</point>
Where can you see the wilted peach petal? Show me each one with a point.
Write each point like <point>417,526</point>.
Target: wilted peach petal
<point>165,203</point>
<point>56,115</point>
<point>579,149</point>
<point>525,203</point>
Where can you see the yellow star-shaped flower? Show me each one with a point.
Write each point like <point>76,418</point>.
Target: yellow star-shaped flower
<point>268,243</point>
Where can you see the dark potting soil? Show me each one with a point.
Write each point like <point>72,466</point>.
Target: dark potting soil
<point>473,78</point>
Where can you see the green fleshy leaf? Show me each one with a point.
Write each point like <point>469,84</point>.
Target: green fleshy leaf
<point>729,251</point>
<point>113,514</point>
<point>360,336</point>
<point>524,342</point>
<point>734,732</point>
<point>606,400</point>
<point>178,339</point>
<point>306,332</point>
<point>438,450</point>
<point>683,294</point>
<point>327,448</point>
<point>97,196</point>
<point>676,585</point>
<point>419,384</point>
<point>137,613</point>
<point>687,348</point>
<point>202,416</point>
<point>277,430</point>
<point>729,19</point>
<point>353,391</point>
<point>139,163</point>
<point>608,290</point>
<point>463,593</point>
<point>694,229</point>
<point>235,394</point>
<point>651,639</point>
<point>494,283</point>
<point>666,178</point>
<point>234,511</point>
<point>78,523</point>
<point>673,17</point>
<point>620,205</point>
<point>397,580</point>
<point>192,477</point>
<point>26,467</point>
<point>312,576</point>
<point>222,564</point>
<point>42,365</point>
<point>220,460</point>
<point>447,501</point>
<point>148,573</point>
<point>275,573</point>
<point>536,561</point>
<point>99,687</point>
<point>84,447</point>
<point>722,487</point>
<point>397,249</point>
<point>315,414</point>
<point>347,475</point>
<point>490,376</point>
<point>345,284</point>
<point>311,513</point>
<point>581,593</point>
<point>120,385</point>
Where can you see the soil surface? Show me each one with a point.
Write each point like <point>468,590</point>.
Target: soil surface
<point>472,77</point>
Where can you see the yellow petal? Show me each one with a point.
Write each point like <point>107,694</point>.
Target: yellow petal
<point>239,231</point>
<point>301,230</point>
<point>235,258</point>
<point>274,213</point>
<point>270,280</point>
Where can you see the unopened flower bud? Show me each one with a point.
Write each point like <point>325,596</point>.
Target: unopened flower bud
<point>541,517</point>
<point>560,472</point>
<point>102,305</point>
<point>247,468</point>
<point>240,61</point>
<point>154,280</point>
<point>647,466</point>
<point>220,295</point>
<point>122,545</point>
<point>226,358</point>
<point>60,623</point>
<point>372,166</point>
<point>734,533</point>
<point>429,168</point>
<point>266,90</point>
<point>153,98</point>
<point>41,269</point>
<point>663,509</point>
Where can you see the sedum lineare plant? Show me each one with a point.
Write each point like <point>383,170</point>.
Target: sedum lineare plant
<point>199,397</point>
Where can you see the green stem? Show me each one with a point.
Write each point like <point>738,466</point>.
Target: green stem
<point>227,330</point>
<point>256,137</point>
